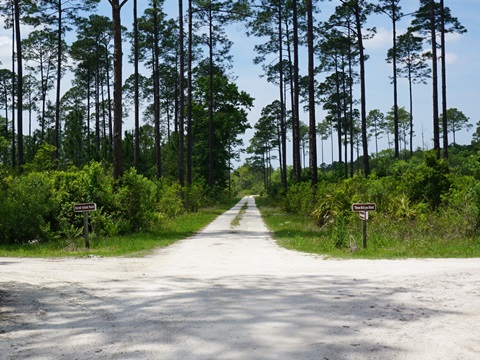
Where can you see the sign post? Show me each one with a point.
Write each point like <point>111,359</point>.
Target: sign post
<point>85,209</point>
<point>363,210</point>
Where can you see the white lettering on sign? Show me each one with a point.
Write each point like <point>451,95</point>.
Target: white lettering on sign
<point>364,207</point>
<point>84,207</point>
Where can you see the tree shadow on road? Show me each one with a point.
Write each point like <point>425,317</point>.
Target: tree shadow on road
<point>232,317</point>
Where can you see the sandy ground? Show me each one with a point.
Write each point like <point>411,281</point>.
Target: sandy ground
<point>232,293</point>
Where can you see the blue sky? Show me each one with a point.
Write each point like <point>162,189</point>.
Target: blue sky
<point>463,76</point>
<point>463,57</point>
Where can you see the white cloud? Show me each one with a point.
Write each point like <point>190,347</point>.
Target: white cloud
<point>452,58</point>
<point>452,37</point>
<point>6,43</point>
<point>5,50</point>
<point>381,40</point>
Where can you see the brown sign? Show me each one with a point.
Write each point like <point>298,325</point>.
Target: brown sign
<point>364,207</point>
<point>84,207</point>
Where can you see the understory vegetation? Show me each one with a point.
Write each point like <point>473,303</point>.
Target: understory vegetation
<point>36,210</point>
<point>425,207</point>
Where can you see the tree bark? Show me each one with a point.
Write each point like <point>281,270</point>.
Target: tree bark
<point>311,97</point>
<point>395,90</point>
<point>109,103</point>
<point>156,95</point>
<point>283,126</point>
<point>210,103</point>
<point>19,86</point>
<point>117,88</point>
<point>444,83</point>
<point>181,104</point>
<point>350,95</point>
<point>97,105</point>
<point>363,97</point>
<point>190,93</point>
<point>136,149</point>
<point>14,8</point>
<point>59,81</point>
<point>436,130</point>
<point>297,168</point>
<point>410,93</point>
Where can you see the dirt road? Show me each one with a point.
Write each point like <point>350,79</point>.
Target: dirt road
<point>232,293</point>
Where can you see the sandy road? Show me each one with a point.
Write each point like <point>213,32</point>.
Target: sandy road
<point>232,293</point>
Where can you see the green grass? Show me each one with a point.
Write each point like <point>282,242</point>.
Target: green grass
<point>135,245</point>
<point>236,221</point>
<point>384,241</point>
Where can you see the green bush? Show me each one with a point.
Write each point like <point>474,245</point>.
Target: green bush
<point>300,198</point>
<point>334,200</point>
<point>136,200</point>
<point>109,224</point>
<point>420,202</point>
<point>193,197</point>
<point>26,209</point>
<point>39,205</point>
<point>170,202</point>
<point>91,184</point>
<point>461,205</point>
<point>425,182</point>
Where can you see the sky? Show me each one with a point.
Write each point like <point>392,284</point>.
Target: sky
<point>463,76</point>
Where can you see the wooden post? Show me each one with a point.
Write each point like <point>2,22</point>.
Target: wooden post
<point>364,228</point>
<point>85,230</point>
<point>85,209</point>
<point>363,210</point>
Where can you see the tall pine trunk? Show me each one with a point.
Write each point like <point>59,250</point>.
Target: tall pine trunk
<point>436,130</point>
<point>339,113</point>
<point>210,102</point>
<point>395,90</point>
<point>311,97</point>
<point>190,94</point>
<point>117,88</point>
<point>19,85</point>
<point>97,107</point>
<point>59,80</point>
<point>15,6</point>
<point>283,126</point>
<point>444,83</point>
<point>156,93</point>
<point>297,168</point>
<point>181,104</point>
<point>109,103</point>
<point>350,95</point>
<point>136,149</point>
<point>410,93</point>
<point>363,95</point>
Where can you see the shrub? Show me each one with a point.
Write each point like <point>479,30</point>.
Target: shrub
<point>89,184</point>
<point>109,224</point>
<point>300,198</point>
<point>136,198</point>
<point>193,197</point>
<point>44,159</point>
<point>26,209</point>
<point>425,182</point>
<point>461,206</point>
<point>38,205</point>
<point>170,200</point>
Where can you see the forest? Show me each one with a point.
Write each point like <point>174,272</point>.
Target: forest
<point>65,143</point>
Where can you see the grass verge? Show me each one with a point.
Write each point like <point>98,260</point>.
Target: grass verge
<point>134,245</point>
<point>236,221</point>
<point>384,241</point>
